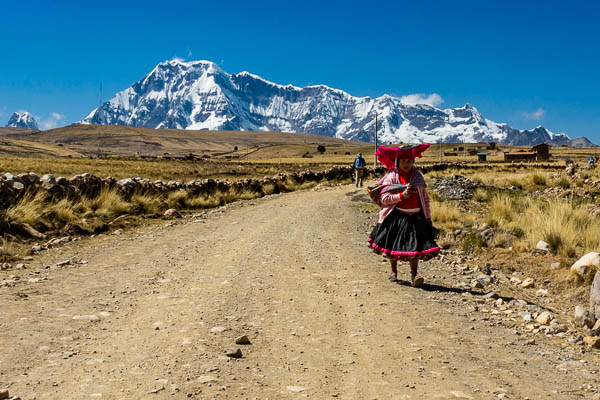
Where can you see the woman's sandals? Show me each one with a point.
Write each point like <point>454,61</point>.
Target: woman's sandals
<point>417,282</point>
<point>393,277</point>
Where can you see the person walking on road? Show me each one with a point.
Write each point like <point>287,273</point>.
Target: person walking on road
<point>404,230</point>
<point>359,169</point>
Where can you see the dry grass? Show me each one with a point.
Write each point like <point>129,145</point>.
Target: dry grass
<point>92,215</point>
<point>448,217</point>
<point>569,228</point>
<point>6,248</point>
<point>155,169</point>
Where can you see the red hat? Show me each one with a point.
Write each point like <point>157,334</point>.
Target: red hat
<point>388,155</point>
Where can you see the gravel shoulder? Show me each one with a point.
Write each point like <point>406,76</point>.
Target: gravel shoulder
<point>153,312</point>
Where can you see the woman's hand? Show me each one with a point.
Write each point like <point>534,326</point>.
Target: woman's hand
<point>407,192</point>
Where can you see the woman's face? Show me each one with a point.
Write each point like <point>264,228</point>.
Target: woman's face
<point>405,164</point>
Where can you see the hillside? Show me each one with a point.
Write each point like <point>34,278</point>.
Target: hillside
<point>127,141</point>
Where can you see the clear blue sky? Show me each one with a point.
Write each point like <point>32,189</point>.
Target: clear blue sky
<point>523,62</point>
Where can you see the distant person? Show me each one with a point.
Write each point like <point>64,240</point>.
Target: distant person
<point>404,230</point>
<point>359,169</point>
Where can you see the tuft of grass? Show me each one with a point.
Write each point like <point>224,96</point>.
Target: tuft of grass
<point>481,195</point>
<point>30,210</point>
<point>178,199</point>
<point>6,248</point>
<point>147,204</point>
<point>538,179</point>
<point>563,182</point>
<point>108,204</point>
<point>435,197</point>
<point>443,213</point>
<point>472,241</point>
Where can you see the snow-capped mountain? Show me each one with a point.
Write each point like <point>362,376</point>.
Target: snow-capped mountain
<point>22,119</point>
<point>200,95</point>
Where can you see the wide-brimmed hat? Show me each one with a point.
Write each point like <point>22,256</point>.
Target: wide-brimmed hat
<point>388,155</point>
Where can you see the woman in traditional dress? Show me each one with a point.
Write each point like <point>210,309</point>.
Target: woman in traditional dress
<point>404,230</point>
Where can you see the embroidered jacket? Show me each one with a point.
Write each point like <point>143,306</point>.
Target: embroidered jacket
<point>389,200</point>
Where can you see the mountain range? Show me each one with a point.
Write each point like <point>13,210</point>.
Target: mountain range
<point>22,119</point>
<point>200,95</point>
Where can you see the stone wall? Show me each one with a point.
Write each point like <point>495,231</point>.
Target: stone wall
<point>14,187</point>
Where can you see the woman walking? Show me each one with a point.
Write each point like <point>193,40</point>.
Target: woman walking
<point>404,230</point>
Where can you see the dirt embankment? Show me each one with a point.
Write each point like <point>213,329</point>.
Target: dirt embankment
<point>151,314</point>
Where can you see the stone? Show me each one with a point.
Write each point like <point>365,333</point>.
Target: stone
<point>485,279</point>
<point>27,230</point>
<point>242,340</point>
<point>206,379</point>
<point>592,341</point>
<point>172,213</point>
<point>595,295</point>
<point>541,292</point>
<point>234,353</point>
<point>584,318</point>
<point>541,245</point>
<point>491,295</point>
<point>544,318</point>
<point>296,389</point>
<point>596,325</point>
<point>581,266</point>
<point>475,284</point>
<point>4,394</point>
<point>526,316</point>
<point>218,329</point>
<point>517,303</point>
<point>48,178</point>
<point>514,280</point>
<point>528,283</point>
<point>91,317</point>
<point>555,266</point>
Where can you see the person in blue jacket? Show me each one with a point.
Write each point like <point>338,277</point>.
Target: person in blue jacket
<point>359,169</point>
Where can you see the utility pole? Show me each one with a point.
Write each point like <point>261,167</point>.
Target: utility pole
<point>440,149</point>
<point>375,162</point>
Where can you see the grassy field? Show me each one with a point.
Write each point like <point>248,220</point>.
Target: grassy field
<point>265,147</point>
<point>152,168</point>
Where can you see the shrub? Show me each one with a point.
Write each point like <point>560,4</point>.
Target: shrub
<point>472,241</point>
<point>480,195</point>
<point>321,149</point>
<point>538,179</point>
<point>564,182</point>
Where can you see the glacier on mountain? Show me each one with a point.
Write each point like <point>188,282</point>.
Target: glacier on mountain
<point>200,95</point>
<point>22,119</point>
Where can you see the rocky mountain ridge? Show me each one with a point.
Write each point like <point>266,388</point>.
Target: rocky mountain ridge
<point>22,119</point>
<point>200,95</point>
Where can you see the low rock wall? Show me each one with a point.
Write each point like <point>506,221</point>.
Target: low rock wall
<point>14,187</point>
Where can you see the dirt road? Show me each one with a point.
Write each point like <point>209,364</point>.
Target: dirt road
<point>152,313</point>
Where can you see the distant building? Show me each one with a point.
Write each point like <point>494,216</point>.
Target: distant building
<point>542,151</point>
<point>519,156</point>
<point>482,157</point>
<point>491,146</point>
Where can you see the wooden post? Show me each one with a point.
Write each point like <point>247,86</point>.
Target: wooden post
<point>440,149</point>
<point>375,162</point>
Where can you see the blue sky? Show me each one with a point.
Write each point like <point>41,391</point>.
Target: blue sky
<point>524,62</point>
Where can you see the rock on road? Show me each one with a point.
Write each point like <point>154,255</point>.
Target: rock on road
<point>155,311</point>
